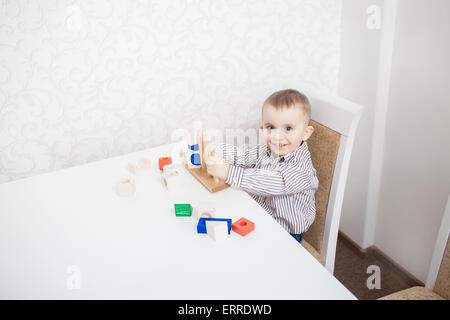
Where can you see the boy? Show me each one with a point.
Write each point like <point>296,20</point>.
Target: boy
<point>280,175</point>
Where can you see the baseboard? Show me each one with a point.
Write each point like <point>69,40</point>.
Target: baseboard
<point>395,264</point>
<point>353,243</point>
<point>381,254</point>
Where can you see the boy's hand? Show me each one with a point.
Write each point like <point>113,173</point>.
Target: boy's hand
<point>217,167</point>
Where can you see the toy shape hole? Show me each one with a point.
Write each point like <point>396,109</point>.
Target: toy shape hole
<point>243,223</point>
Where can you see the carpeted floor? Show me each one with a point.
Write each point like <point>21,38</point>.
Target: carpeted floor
<point>351,270</point>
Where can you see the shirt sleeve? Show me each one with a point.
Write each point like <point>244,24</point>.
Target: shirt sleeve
<point>243,156</point>
<point>289,179</point>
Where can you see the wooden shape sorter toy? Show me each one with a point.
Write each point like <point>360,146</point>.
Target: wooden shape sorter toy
<point>198,149</point>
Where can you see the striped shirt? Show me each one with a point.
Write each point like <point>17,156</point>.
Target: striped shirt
<point>284,186</point>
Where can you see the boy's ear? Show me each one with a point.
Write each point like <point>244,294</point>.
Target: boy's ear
<point>308,132</point>
<point>261,127</point>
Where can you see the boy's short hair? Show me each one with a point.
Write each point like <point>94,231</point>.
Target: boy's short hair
<point>289,98</point>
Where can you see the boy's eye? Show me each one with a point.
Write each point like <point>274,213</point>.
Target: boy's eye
<point>269,127</point>
<point>288,128</point>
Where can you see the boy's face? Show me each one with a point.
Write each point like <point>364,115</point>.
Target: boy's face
<point>284,129</point>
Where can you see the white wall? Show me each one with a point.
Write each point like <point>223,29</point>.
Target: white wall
<point>86,80</point>
<point>416,170</point>
<point>360,47</point>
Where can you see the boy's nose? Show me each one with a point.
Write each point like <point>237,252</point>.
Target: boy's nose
<point>276,135</point>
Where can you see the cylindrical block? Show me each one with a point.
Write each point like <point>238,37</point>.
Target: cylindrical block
<point>126,187</point>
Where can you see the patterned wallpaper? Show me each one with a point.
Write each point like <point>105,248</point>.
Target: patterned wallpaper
<point>86,80</point>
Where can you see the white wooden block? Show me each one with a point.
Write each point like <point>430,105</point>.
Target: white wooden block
<point>218,230</point>
<point>169,169</point>
<point>182,159</point>
<point>171,177</point>
<point>178,153</point>
<point>126,187</point>
<point>205,210</point>
<point>141,167</point>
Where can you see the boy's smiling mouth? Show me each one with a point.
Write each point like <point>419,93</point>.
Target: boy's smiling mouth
<point>279,145</point>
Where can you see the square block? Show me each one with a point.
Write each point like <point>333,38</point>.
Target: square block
<point>218,230</point>
<point>205,210</point>
<point>194,147</point>
<point>142,166</point>
<point>164,161</point>
<point>201,226</point>
<point>243,226</point>
<point>183,210</point>
<point>172,180</point>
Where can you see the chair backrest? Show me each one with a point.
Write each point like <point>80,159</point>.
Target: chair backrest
<point>438,279</point>
<point>335,120</point>
<point>323,146</point>
<point>442,286</point>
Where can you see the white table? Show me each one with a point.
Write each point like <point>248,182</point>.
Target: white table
<point>135,248</point>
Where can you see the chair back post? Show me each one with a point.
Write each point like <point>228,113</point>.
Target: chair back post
<point>342,116</point>
<point>439,248</point>
<point>335,202</point>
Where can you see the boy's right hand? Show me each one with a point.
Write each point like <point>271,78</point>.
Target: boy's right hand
<point>217,167</point>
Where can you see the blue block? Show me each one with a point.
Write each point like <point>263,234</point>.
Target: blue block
<point>201,226</point>
<point>195,159</point>
<point>194,147</point>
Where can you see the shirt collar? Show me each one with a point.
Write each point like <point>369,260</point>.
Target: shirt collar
<point>300,149</point>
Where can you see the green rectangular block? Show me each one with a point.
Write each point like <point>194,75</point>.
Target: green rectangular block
<point>183,210</point>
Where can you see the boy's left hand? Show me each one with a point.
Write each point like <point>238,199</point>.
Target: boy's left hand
<point>217,167</point>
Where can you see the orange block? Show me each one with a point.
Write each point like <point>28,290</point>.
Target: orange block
<point>243,226</point>
<point>164,161</point>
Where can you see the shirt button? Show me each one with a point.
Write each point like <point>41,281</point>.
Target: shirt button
<point>282,159</point>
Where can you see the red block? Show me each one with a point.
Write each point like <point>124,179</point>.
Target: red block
<point>164,161</point>
<point>243,226</point>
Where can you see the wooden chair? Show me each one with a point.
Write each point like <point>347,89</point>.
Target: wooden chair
<point>437,286</point>
<point>335,121</point>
